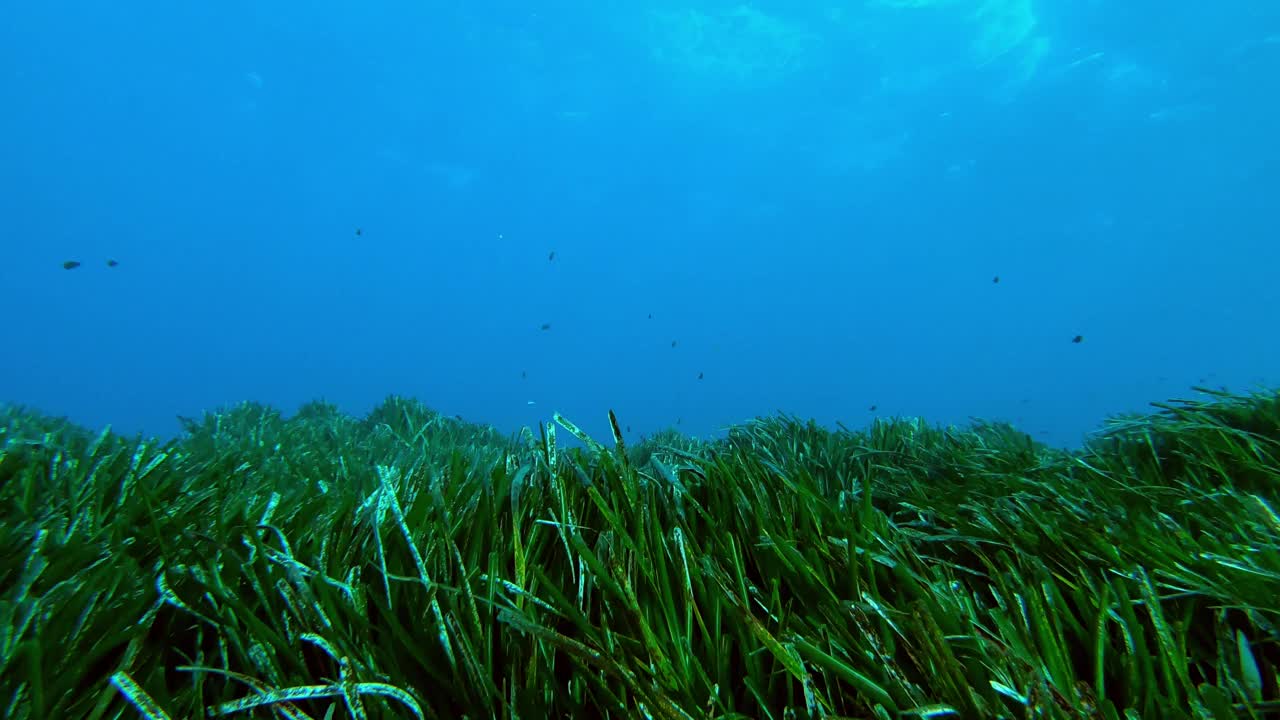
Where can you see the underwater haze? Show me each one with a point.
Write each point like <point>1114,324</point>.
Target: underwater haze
<point>693,213</point>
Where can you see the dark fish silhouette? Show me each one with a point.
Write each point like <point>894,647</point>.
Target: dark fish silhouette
<point>546,326</point>
<point>699,376</point>
<point>1077,339</point>
<point>673,343</point>
<point>71,265</point>
<point>552,256</point>
<point>112,263</point>
<point>995,279</point>
<point>359,232</point>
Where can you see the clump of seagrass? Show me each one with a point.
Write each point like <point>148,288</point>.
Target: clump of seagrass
<point>409,564</point>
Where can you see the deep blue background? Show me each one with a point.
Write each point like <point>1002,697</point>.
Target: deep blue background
<point>811,198</point>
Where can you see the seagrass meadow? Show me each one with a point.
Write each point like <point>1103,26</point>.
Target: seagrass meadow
<point>411,565</point>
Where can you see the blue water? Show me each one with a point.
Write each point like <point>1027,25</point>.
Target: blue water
<point>811,199</point>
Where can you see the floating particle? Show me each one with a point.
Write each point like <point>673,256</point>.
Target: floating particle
<point>1077,339</point>
<point>70,265</point>
<point>112,262</point>
<point>546,326</point>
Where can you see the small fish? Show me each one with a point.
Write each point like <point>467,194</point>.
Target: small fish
<point>111,262</point>
<point>359,232</point>
<point>1077,339</point>
<point>546,326</point>
<point>71,265</point>
<point>673,343</point>
<point>650,316</point>
<point>996,279</point>
<point>524,374</point>
<point>531,402</point>
<point>699,376</point>
<point>871,409</point>
<point>552,256</point>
